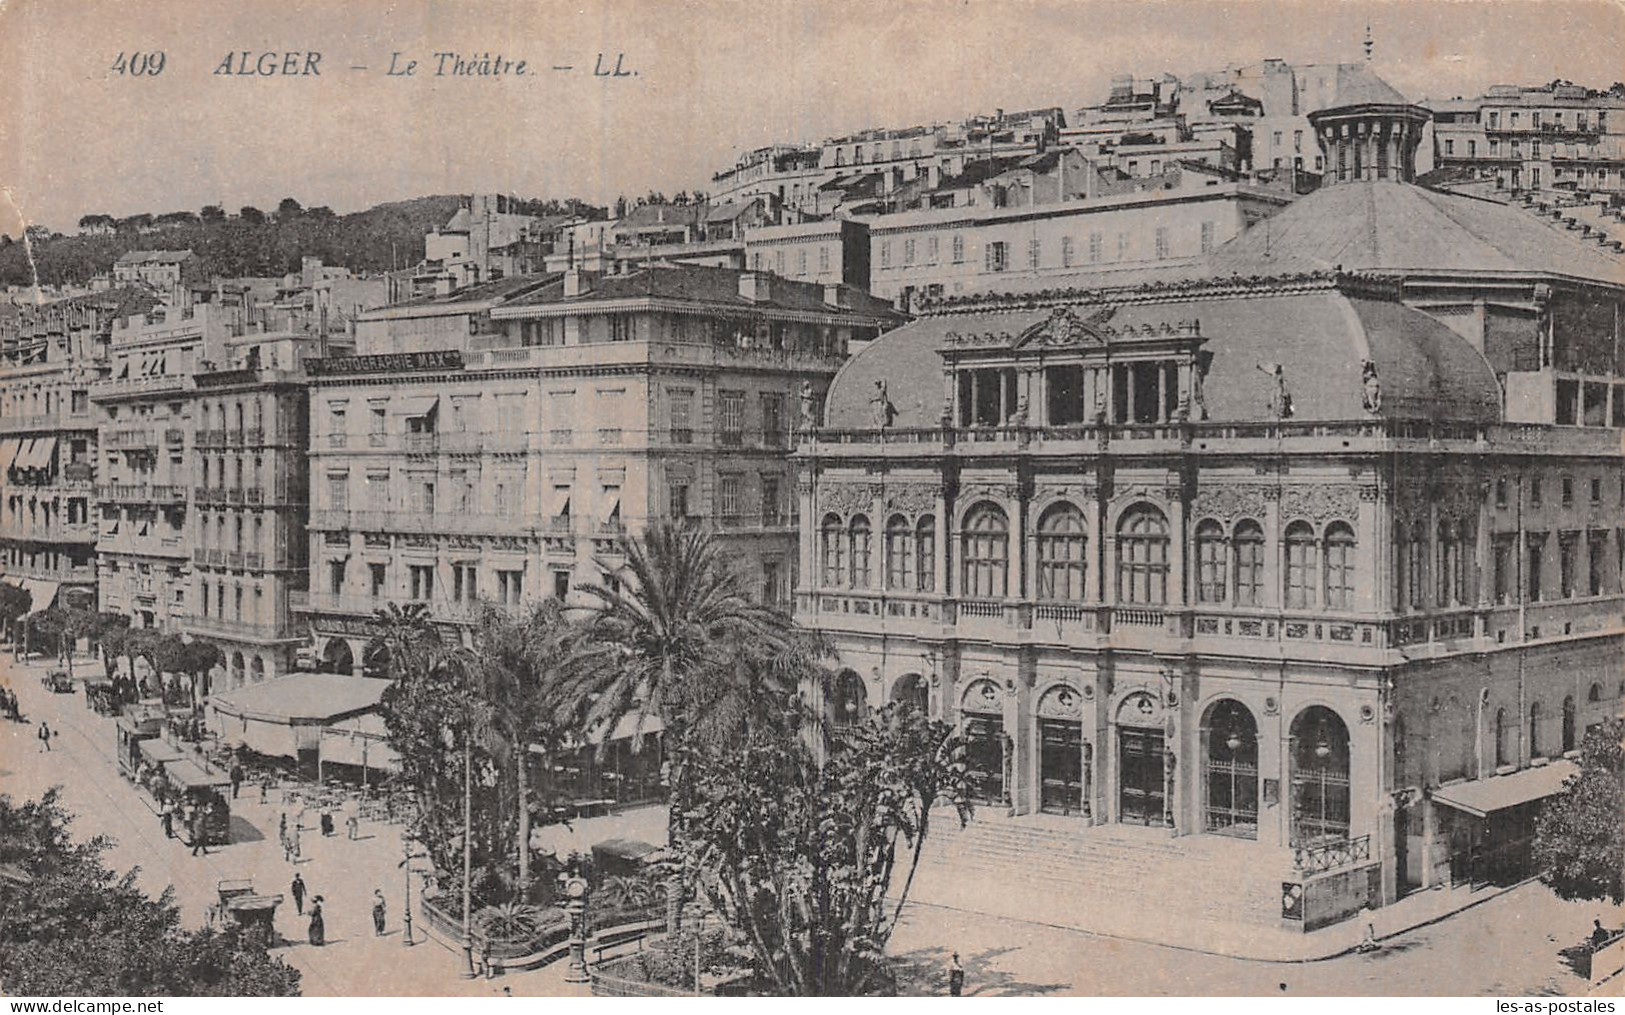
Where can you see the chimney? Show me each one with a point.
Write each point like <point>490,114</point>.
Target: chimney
<point>576,283</point>
<point>835,295</point>
<point>756,286</point>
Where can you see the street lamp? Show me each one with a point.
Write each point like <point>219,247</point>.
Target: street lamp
<point>575,889</point>
<point>1323,750</point>
<point>407,856</point>
<point>1233,742</point>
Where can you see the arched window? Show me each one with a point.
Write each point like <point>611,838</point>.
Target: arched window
<point>1503,739</point>
<point>1401,572</point>
<point>1595,694</point>
<point>1142,556</point>
<point>1062,553</point>
<point>1212,577</point>
<point>925,548</point>
<point>834,540</point>
<point>1568,724</point>
<point>1248,547</point>
<point>1461,583</point>
<point>1534,730</point>
<point>1320,777</point>
<point>899,553</point>
<point>1339,566</point>
<point>1300,566</point>
<point>1416,568</point>
<point>986,553</point>
<point>1445,572</point>
<point>860,539</point>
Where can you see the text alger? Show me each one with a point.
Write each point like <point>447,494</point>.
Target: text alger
<point>293,63</point>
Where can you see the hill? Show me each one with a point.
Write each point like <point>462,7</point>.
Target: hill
<point>252,242</point>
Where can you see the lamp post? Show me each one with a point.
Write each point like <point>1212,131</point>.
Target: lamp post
<point>407,856</point>
<point>1233,742</point>
<point>1323,750</point>
<point>468,854</point>
<point>575,889</point>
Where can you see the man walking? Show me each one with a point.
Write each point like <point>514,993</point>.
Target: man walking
<point>956,976</point>
<point>297,890</point>
<point>45,737</point>
<point>200,831</point>
<point>236,778</point>
<point>378,912</point>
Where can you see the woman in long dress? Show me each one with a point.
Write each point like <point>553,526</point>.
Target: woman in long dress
<point>318,926</point>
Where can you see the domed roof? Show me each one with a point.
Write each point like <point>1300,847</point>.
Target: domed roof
<point>1322,338</point>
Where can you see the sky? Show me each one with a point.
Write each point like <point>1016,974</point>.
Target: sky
<point>705,80</point>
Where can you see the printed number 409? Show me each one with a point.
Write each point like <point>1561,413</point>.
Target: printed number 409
<point>138,63</point>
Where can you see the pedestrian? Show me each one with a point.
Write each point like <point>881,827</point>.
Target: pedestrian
<point>1599,935</point>
<point>282,829</point>
<point>200,832</point>
<point>485,956</point>
<point>45,737</point>
<point>166,817</point>
<point>265,789</point>
<point>956,976</point>
<point>236,778</point>
<point>352,817</point>
<point>297,890</point>
<point>318,925</point>
<point>378,908</point>
<point>327,820</point>
<point>1369,942</point>
<point>293,842</point>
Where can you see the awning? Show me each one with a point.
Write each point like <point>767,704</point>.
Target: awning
<point>558,502</point>
<point>25,451</point>
<point>302,698</point>
<point>626,727</point>
<point>8,453</point>
<point>416,405</point>
<point>44,593</point>
<point>1481,797</point>
<point>360,741</point>
<point>44,453</point>
<point>189,774</point>
<point>160,752</point>
<point>609,505</point>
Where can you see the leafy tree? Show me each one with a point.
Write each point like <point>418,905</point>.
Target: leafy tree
<point>519,664</point>
<point>800,855</point>
<point>66,625</point>
<point>288,209</point>
<point>111,630</point>
<point>659,633</point>
<point>69,925</point>
<point>212,213</point>
<point>404,635</point>
<point>15,602</point>
<point>194,658</point>
<point>1580,835</point>
<point>250,214</point>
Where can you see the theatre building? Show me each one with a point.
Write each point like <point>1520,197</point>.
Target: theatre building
<point>1315,547</point>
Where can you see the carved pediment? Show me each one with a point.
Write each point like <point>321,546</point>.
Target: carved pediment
<point>1321,503</point>
<point>845,498</point>
<point>1229,503</point>
<point>915,498</point>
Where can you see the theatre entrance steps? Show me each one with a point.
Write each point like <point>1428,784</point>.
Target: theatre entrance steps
<point>1122,880</point>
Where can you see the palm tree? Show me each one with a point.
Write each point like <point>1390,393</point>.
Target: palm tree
<point>663,633</point>
<point>404,634</point>
<point>518,664</point>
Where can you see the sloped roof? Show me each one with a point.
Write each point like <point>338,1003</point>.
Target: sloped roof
<point>1391,226</point>
<point>1321,338</point>
<point>704,284</point>
<point>500,289</point>
<point>303,697</point>
<point>1358,86</point>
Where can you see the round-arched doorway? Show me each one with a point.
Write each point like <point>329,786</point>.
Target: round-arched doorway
<point>337,657</point>
<point>1320,777</point>
<point>848,702</point>
<point>981,710</point>
<point>911,689</point>
<point>1230,769</point>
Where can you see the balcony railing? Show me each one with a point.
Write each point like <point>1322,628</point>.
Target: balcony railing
<point>377,440</point>
<point>234,495</point>
<point>253,560</point>
<point>210,438</point>
<point>253,495</point>
<point>200,556</point>
<point>420,443</point>
<point>1331,855</point>
<point>173,436</point>
<point>234,437</point>
<point>234,559</point>
<point>254,436</point>
<point>337,440</point>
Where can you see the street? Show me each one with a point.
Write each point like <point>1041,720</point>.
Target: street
<point>1511,945</point>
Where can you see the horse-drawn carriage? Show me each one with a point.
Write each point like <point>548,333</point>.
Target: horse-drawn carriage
<point>240,906</point>
<point>57,682</point>
<point>101,696</point>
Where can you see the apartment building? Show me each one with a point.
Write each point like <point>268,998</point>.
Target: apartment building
<point>504,460</point>
<point>51,356</point>
<point>1558,136</point>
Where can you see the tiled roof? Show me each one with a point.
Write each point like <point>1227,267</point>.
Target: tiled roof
<point>1389,226</point>
<point>1321,339</point>
<point>499,290</point>
<point>700,284</point>
<point>645,215</point>
<point>1358,86</point>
